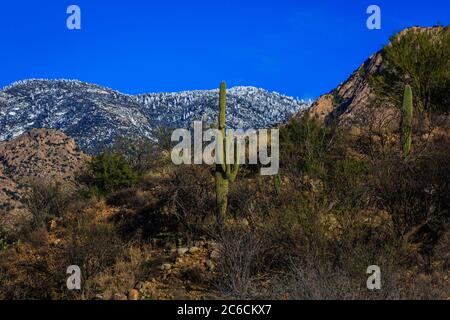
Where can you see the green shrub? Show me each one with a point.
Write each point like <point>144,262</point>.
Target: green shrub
<point>348,178</point>
<point>420,58</point>
<point>303,145</point>
<point>108,172</point>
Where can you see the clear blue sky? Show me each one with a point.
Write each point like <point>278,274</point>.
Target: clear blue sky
<point>300,48</point>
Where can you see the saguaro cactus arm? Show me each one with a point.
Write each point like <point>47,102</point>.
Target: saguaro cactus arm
<point>222,124</point>
<point>232,172</point>
<point>222,106</point>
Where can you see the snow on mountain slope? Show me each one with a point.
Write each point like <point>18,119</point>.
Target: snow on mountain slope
<point>95,116</point>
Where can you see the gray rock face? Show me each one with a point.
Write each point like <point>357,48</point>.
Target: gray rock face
<point>95,116</point>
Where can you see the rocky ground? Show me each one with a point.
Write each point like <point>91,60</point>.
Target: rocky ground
<point>176,272</point>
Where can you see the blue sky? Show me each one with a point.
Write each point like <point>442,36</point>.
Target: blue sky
<point>299,48</point>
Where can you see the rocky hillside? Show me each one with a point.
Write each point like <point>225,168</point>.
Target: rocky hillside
<point>94,116</point>
<point>350,100</point>
<point>42,154</point>
<point>354,101</point>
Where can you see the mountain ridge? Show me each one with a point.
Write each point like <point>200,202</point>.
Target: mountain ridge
<point>95,116</point>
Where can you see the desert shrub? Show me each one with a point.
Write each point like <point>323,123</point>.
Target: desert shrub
<point>46,200</point>
<point>315,277</point>
<point>292,230</point>
<point>37,238</point>
<point>120,277</point>
<point>92,245</point>
<point>308,281</point>
<point>303,146</point>
<point>191,198</point>
<point>108,172</point>
<point>298,223</point>
<point>310,248</point>
<point>239,263</point>
<point>37,270</point>
<point>348,178</point>
<point>416,190</point>
<point>312,279</point>
<point>146,223</point>
<point>121,197</point>
<point>241,205</point>
<point>31,271</point>
<point>181,203</point>
<point>80,200</point>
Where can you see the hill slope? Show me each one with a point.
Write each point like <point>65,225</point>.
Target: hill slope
<point>40,154</point>
<point>349,101</point>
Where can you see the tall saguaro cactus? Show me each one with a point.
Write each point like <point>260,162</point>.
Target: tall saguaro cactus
<point>407,119</point>
<point>225,172</point>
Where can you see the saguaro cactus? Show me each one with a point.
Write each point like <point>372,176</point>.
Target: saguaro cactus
<point>407,118</point>
<point>225,172</point>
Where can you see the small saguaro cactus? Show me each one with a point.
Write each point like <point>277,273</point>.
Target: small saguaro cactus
<point>225,172</point>
<point>407,119</point>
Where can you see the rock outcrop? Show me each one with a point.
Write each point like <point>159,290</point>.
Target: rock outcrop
<point>40,154</point>
<point>353,103</point>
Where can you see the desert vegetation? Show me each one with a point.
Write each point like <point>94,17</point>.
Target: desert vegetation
<point>140,227</point>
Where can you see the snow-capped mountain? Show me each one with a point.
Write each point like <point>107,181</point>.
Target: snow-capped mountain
<point>95,116</point>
